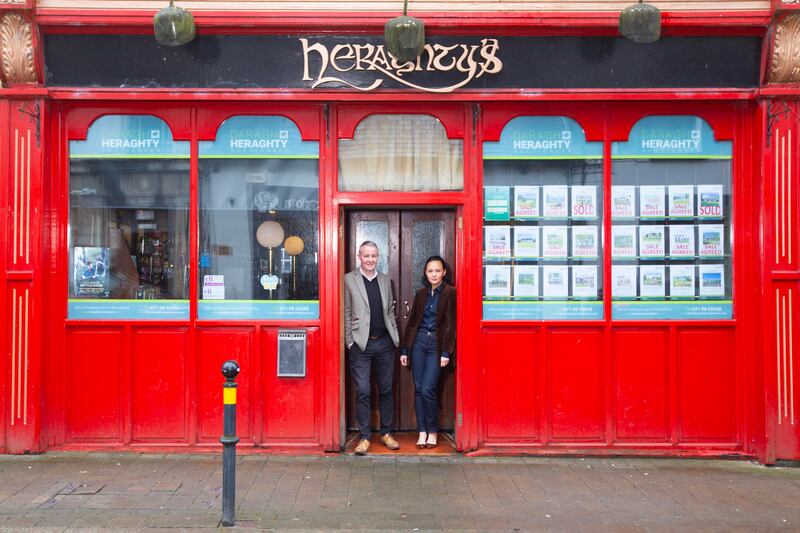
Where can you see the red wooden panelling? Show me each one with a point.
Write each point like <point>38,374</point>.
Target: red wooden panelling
<point>289,403</point>
<point>93,385</point>
<point>158,385</point>
<point>512,384</point>
<point>576,384</point>
<point>641,383</point>
<point>706,385</point>
<point>214,348</point>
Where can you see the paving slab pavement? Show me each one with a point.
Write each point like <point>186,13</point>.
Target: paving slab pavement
<point>89,491</point>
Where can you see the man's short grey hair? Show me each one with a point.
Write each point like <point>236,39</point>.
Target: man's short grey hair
<point>368,243</point>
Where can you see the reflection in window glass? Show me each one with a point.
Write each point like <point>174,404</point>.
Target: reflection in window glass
<point>259,221</point>
<point>129,213</point>
<point>401,153</point>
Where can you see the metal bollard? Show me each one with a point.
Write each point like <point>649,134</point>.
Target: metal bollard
<point>230,369</point>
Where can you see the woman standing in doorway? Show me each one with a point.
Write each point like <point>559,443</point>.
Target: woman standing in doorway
<point>431,337</point>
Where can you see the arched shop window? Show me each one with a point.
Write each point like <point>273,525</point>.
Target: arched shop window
<point>543,190</point>
<point>259,221</point>
<point>128,221</point>
<point>671,222</point>
<point>401,153</point>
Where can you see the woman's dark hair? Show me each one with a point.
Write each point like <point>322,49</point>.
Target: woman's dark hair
<point>447,278</point>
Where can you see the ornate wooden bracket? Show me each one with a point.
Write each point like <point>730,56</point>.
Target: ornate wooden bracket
<point>16,49</point>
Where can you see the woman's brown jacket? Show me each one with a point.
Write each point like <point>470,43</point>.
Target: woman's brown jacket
<point>445,320</point>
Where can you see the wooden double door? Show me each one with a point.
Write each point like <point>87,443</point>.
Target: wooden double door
<point>405,238</point>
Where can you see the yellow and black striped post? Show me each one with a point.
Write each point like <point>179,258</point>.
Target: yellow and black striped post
<point>230,369</point>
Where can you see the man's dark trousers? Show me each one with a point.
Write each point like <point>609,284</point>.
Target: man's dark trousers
<point>381,352</point>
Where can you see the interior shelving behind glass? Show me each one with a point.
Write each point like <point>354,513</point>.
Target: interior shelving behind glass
<point>671,235</point>
<point>543,192</point>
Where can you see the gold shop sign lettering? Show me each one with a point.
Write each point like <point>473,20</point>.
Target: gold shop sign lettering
<point>471,60</point>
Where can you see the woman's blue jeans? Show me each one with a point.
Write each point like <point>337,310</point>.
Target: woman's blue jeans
<point>426,370</point>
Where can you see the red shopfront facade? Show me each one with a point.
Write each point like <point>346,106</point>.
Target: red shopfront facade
<point>142,247</point>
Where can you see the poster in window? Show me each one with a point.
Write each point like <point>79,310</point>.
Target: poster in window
<point>554,242</point>
<point>495,203</point>
<point>623,282</point>
<point>681,281</point>
<point>584,282</point>
<point>651,201</point>
<point>526,202</point>
<point>498,242</point>
<point>526,242</point>
<point>651,281</point>
<point>709,201</point>
<point>213,287</point>
<point>622,202</point>
<point>711,242</point>
<point>526,281</point>
<point>623,242</point>
<point>681,242</point>
<point>651,242</point>
<point>555,284</point>
<point>90,272</point>
<point>584,202</point>
<point>584,242</point>
<point>555,201</point>
<point>681,201</point>
<point>498,281</point>
<point>712,281</point>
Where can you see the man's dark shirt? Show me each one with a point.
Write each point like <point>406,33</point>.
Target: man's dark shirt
<point>377,327</point>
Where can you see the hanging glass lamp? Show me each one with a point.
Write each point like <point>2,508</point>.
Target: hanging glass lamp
<point>405,36</point>
<point>173,26</point>
<point>641,23</point>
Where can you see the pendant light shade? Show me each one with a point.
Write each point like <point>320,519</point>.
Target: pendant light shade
<point>405,36</point>
<point>641,23</point>
<point>173,26</point>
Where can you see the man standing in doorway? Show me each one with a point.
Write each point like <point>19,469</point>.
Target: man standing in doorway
<point>370,332</point>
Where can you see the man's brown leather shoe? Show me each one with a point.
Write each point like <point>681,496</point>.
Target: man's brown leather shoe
<point>362,448</point>
<point>390,443</point>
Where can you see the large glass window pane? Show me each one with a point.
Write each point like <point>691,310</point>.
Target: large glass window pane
<point>128,221</point>
<point>543,192</point>
<point>401,153</point>
<point>259,222</point>
<point>671,222</point>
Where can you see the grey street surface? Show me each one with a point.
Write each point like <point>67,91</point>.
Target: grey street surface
<point>99,491</point>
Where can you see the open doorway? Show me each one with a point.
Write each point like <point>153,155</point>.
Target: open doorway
<point>406,237</point>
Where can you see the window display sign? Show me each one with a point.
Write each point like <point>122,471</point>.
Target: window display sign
<point>541,250</point>
<point>129,136</point>
<point>623,202</point>
<point>682,176</point>
<point>542,138</point>
<point>623,242</point>
<point>259,137</point>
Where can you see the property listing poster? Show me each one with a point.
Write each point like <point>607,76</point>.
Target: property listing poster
<point>555,201</point>
<point>584,242</point>
<point>711,241</point>
<point>651,201</point>
<point>651,242</point>
<point>623,242</point>
<point>498,242</point>
<point>623,282</point>
<point>709,201</point>
<point>712,281</point>
<point>651,282</point>
<point>623,202</point>
<point>681,201</point>
<point>498,281</point>
<point>554,242</point>
<point>555,282</point>
<point>526,281</point>
<point>526,202</point>
<point>681,242</point>
<point>526,242</point>
<point>584,202</point>
<point>681,281</point>
<point>495,203</point>
<point>584,282</point>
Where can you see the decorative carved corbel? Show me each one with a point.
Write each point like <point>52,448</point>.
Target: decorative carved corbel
<point>785,62</point>
<point>16,47</point>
